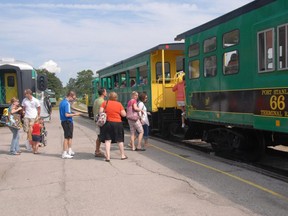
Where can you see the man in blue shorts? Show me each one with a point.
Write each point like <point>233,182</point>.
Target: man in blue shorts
<point>66,117</point>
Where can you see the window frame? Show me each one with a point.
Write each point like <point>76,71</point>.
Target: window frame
<point>227,33</point>
<point>207,41</point>
<point>190,73</point>
<point>191,46</point>
<point>286,48</point>
<point>266,69</point>
<point>204,66</point>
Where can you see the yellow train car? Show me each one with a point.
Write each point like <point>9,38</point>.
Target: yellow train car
<point>154,71</point>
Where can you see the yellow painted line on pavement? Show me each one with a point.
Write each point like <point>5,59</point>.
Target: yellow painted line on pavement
<point>225,173</point>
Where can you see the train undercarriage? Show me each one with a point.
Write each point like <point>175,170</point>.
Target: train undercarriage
<point>245,143</point>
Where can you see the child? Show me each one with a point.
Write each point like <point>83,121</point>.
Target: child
<point>36,132</point>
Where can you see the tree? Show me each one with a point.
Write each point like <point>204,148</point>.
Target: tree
<point>83,83</point>
<point>71,85</point>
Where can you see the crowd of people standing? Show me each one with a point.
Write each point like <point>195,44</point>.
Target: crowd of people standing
<point>111,132</point>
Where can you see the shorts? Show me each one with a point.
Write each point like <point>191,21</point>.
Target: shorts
<point>36,138</point>
<point>113,131</point>
<point>26,123</point>
<point>68,129</point>
<point>181,103</point>
<point>135,126</point>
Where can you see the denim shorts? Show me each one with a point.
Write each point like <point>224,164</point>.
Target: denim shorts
<point>146,131</point>
<point>36,138</point>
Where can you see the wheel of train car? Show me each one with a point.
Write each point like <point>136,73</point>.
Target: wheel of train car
<point>226,142</point>
<point>255,146</point>
<point>176,130</point>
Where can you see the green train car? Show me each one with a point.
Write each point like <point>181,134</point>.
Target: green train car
<point>153,71</point>
<point>237,77</point>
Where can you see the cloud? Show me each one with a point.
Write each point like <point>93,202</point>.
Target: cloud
<point>51,66</point>
<point>92,36</point>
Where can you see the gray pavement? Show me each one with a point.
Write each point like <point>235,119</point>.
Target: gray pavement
<point>46,184</point>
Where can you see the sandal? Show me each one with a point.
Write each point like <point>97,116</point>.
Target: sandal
<point>140,149</point>
<point>99,154</point>
<point>107,160</point>
<point>124,158</point>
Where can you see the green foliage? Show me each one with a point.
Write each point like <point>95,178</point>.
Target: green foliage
<point>83,83</point>
<point>71,85</point>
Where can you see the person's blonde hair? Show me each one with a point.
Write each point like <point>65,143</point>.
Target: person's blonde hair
<point>134,93</point>
<point>13,99</point>
<point>113,96</point>
<point>38,119</point>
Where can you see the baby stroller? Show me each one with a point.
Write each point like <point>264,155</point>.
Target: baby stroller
<point>43,135</point>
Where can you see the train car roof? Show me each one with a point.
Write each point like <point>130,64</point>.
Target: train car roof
<point>231,15</point>
<point>168,46</point>
<point>12,62</point>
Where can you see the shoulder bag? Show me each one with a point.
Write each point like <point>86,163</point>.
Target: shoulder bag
<point>101,117</point>
<point>132,115</point>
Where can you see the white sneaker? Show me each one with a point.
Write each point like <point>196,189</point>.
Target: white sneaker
<point>183,125</point>
<point>67,156</point>
<point>71,153</point>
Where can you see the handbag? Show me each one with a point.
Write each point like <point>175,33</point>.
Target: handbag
<point>101,118</point>
<point>131,114</point>
<point>14,121</point>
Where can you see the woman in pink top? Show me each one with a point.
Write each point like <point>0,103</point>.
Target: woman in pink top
<point>179,88</point>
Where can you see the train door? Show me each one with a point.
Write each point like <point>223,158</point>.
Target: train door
<point>11,87</point>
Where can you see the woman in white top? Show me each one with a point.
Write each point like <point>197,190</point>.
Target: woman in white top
<point>144,116</point>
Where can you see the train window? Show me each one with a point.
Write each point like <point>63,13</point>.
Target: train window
<point>193,50</point>
<point>116,81</point>
<point>194,71</point>
<point>166,71</point>
<point>230,62</point>
<point>210,68</point>
<point>265,50</point>
<point>210,45</point>
<point>132,76</point>
<point>143,78</point>
<point>123,80</point>
<point>10,81</point>
<point>282,47</point>
<point>231,38</point>
<point>108,83</point>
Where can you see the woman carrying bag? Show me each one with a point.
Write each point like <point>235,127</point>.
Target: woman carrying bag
<point>15,125</point>
<point>135,123</point>
<point>112,131</point>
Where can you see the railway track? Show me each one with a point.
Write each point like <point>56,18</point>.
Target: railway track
<point>274,164</point>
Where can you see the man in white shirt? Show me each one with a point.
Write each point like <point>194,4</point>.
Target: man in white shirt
<point>31,107</point>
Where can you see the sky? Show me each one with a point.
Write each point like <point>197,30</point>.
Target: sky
<point>69,36</point>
